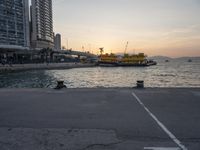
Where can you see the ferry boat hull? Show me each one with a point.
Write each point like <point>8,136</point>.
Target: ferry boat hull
<point>109,64</point>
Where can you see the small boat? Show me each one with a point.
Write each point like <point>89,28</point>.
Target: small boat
<point>151,63</point>
<point>189,60</point>
<point>167,60</point>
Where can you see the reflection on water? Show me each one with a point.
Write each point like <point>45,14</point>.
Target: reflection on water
<point>172,74</point>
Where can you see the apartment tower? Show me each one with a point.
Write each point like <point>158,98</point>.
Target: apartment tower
<point>14,24</point>
<point>41,24</point>
<point>57,42</point>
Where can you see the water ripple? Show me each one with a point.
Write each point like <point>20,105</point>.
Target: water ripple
<point>174,74</point>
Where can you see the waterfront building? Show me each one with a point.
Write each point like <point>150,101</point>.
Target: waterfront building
<point>14,24</point>
<point>57,42</point>
<point>41,24</point>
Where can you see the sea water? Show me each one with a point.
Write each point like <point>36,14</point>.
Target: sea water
<point>176,73</point>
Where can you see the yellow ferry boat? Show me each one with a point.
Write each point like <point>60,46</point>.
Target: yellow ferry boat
<point>108,60</point>
<point>126,60</point>
<point>135,59</point>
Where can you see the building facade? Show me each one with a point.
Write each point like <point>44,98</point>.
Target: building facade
<point>57,42</point>
<point>42,24</point>
<point>14,24</point>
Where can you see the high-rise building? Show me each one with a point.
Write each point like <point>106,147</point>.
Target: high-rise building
<point>41,24</point>
<point>57,42</point>
<point>14,24</point>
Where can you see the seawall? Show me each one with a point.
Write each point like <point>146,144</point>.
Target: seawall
<point>25,67</point>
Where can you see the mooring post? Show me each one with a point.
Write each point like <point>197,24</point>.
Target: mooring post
<point>60,85</point>
<point>140,84</point>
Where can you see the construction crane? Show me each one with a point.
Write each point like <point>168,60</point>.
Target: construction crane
<point>126,47</point>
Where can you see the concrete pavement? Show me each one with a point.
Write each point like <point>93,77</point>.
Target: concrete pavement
<point>99,119</point>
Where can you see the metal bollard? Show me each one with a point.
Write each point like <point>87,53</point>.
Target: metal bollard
<point>60,85</point>
<point>140,84</point>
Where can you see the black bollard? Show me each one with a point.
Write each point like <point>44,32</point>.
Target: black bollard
<point>60,85</point>
<point>140,84</point>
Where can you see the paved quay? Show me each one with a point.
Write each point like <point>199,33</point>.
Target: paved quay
<point>100,119</point>
<point>25,67</point>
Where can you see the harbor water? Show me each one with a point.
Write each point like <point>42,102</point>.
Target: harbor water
<point>175,73</point>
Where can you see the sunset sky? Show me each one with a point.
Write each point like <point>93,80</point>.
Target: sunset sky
<point>155,27</point>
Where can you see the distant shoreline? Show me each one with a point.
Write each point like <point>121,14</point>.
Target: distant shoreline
<point>42,66</point>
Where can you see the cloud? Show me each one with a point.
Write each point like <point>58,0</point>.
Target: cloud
<point>183,32</point>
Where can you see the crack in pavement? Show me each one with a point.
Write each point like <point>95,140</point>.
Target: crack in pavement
<point>101,145</point>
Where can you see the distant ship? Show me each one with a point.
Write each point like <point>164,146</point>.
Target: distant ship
<point>189,60</point>
<point>167,60</point>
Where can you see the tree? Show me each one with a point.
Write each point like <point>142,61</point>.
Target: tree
<point>45,52</point>
<point>63,48</point>
<point>101,50</point>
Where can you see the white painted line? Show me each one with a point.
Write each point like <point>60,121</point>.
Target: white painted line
<point>171,135</point>
<point>162,148</point>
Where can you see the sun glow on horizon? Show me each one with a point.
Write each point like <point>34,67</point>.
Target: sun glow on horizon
<point>170,28</point>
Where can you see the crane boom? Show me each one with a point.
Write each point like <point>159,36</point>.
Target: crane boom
<point>126,47</point>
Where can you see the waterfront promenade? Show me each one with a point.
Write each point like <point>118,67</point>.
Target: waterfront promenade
<point>40,66</point>
<point>100,119</point>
